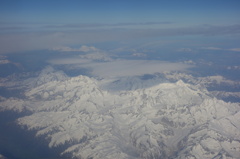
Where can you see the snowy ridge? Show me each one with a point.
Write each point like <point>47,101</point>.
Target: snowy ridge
<point>224,94</point>
<point>30,80</point>
<point>167,120</point>
<point>201,80</point>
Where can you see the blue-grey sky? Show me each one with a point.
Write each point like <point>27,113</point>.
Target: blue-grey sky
<point>113,11</point>
<point>31,25</point>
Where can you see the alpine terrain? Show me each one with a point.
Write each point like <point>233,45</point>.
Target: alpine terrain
<point>153,119</point>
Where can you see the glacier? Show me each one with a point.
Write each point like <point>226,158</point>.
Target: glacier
<point>96,118</point>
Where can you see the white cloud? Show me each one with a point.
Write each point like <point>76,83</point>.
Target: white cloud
<point>81,49</point>
<point>235,49</point>
<point>102,65</point>
<point>233,67</point>
<point>189,62</point>
<point>139,55</point>
<point>92,53</point>
<point>4,61</point>
<point>96,56</point>
<point>134,67</point>
<point>217,48</point>
<point>212,48</point>
<point>69,61</point>
<point>122,68</point>
<point>185,50</point>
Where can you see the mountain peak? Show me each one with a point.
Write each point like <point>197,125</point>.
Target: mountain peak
<point>180,83</point>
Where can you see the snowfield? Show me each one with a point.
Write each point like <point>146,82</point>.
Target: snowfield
<point>159,120</point>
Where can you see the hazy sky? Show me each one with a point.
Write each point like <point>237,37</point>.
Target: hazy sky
<point>44,24</point>
<point>124,11</point>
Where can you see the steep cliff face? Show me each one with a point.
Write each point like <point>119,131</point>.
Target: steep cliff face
<point>166,120</point>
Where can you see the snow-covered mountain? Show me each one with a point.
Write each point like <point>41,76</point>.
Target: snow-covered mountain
<point>158,120</point>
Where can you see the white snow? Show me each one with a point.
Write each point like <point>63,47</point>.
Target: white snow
<point>159,120</point>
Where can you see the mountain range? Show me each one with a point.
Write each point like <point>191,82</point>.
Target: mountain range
<point>129,118</point>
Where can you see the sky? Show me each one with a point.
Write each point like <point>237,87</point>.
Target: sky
<point>34,25</point>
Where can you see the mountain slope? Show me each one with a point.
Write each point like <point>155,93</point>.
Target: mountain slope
<point>167,120</point>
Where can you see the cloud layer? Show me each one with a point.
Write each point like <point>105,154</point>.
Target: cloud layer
<point>221,49</point>
<point>45,39</point>
<point>109,68</point>
<point>133,68</point>
<point>83,48</point>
